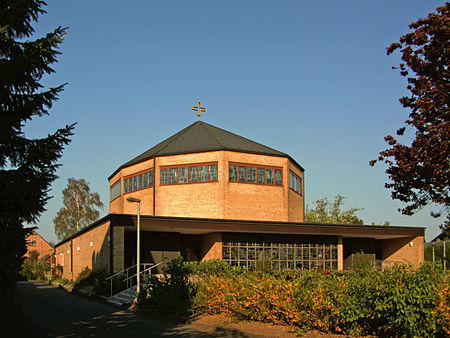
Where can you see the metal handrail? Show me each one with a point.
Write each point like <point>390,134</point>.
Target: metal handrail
<point>148,269</point>
<point>118,273</point>
<point>127,273</point>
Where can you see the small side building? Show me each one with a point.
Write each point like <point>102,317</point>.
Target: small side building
<point>36,242</point>
<point>206,193</point>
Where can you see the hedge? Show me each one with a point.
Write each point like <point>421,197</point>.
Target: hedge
<point>400,301</point>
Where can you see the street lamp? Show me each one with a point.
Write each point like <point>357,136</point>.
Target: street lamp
<point>138,241</point>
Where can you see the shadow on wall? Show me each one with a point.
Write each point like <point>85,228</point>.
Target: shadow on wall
<point>101,258</point>
<point>392,247</point>
<point>156,247</point>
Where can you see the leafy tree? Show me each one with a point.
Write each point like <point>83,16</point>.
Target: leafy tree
<point>27,166</point>
<point>79,208</point>
<point>332,213</point>
<point>419,172</point>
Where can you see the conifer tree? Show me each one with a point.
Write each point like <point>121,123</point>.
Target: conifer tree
<point>27,166</point>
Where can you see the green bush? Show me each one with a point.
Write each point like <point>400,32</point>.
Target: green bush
<point>170,294</point>
<point>63,281</point>
<point>96,279</point>
<point>213,267</point>
<point>399,302</point>
<point>33,268</point>
<point>85,278</point>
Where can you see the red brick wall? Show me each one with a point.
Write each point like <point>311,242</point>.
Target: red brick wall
<point>63,259</point>
<point>211,246</point>
<point>41,246</point>
<point>407,250</point>
<point>95,256</point>
<point>222,199</point>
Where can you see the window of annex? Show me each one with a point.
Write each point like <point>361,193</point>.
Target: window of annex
<point>282,253</point>
<point>189,173</point>
<point>295,183</point>
<point>139,181</point>
<point>252,173</point>
<point>115,191</point>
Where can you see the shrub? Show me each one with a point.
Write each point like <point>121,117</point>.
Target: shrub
<point>212,267</point>
<point>397,302</point>
<point>33,268</point>
<point>443,306</point>
<point>85,278</point>
<point>57,272</point>
<point>63,281</point>
<point>170,294</point>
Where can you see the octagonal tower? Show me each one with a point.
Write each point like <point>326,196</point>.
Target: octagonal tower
<point>207,172</point>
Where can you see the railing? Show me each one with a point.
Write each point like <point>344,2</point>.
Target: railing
<point>127,272</point>
<point>142,273</point>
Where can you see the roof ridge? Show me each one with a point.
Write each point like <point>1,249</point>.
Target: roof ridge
<point>204,124</point>
<point>242,137</point>
<point>181,132</point>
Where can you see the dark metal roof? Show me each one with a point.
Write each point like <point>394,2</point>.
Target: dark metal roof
<point>202,137</point>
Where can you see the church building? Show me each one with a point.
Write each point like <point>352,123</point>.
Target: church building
<point>206,193</point>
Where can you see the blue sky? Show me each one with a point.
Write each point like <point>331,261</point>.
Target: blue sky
<point>309,78</point>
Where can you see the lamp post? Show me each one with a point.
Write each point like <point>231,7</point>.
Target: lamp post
<point>138,242</point>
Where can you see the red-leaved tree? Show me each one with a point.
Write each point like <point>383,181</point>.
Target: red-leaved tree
<point>419,172</point>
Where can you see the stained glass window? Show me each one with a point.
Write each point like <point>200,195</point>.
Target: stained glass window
<point>115,190</point>
<point>261,175</point>
<point>183,172</point>
<point>164,176</point>
<point>145,180</point>
<point>202,173</point>
<point>233,173</point>
<point>251,175</point>
<point>192,174</point>
<point>278,176</point>
<point>125,185</point>
<point>212,173</point>
<point>173,175</point>
<point>269,176</point>
<point>295,183</point>
<point>150,178</point>
<point>242,174</point>
<point>139,181</point>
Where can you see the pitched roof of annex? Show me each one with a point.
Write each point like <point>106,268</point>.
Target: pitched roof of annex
<point>202,137</point>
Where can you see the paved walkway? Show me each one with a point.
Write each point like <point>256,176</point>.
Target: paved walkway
<point>52,312</point>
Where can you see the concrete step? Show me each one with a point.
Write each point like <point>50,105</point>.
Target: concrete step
<point>122,298</point>
<point>114,303</point>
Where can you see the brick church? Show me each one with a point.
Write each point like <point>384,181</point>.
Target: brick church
<point>206,193</point>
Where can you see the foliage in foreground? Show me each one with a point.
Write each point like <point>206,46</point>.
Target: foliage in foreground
<point>397,302</point>
<point>171,294</point>
<point>27,165</point>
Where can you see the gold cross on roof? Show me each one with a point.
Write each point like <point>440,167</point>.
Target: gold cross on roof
<point>199,109</point>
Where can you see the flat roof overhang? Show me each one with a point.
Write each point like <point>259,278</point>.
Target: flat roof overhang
<point>187,225</point>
